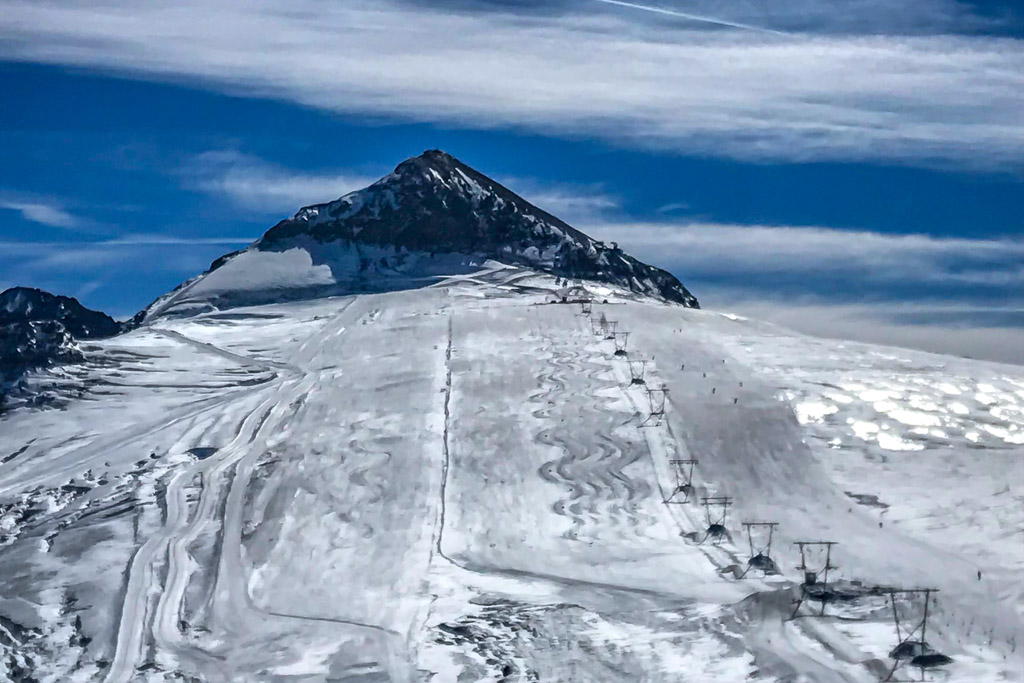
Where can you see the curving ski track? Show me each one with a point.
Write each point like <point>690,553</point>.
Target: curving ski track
<point>599,490</point>
<point>224,478</point>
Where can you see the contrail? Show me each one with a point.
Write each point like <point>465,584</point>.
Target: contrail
<point>692,17</point>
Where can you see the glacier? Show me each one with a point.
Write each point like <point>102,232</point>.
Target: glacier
<point>450,483</point>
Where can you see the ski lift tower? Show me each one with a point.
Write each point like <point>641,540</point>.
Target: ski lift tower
<point>815,584</point>
<point>656,401</point>
<point>637,370</point>
<point>761,556</point>
<point>620,342</point>
<point>684,481</point>
<point>911,650</point>
<point>716,525</point>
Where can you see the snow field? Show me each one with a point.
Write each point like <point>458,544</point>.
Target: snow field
<point>449,483</point>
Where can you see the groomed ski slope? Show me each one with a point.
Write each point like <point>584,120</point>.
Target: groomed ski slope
<point>449,484</point>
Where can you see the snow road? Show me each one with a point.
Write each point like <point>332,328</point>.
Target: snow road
<point>450,483</point>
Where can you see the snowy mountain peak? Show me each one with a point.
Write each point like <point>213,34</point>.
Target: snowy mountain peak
<point>434,203</point>
<point>430,219</point>
<point>432,164</point>
<point>433,175</point>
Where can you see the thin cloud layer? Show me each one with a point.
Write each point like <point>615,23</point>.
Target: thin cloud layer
<point>872,17</point>
<point>252,183</point>
<point>957,296</point>
<point>808,254</point>
<point>42,213</point>
<point>575,204</point>
<point>34,259</point>
<point>894,324</point>
<point>689,16</point>
<point>128,264</point>
<point>727,92</point>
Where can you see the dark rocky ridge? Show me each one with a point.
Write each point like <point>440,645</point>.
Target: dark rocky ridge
<point>38,329</point>
<point>23,304</point>
<point>32,344</point>
<point>434,203</point>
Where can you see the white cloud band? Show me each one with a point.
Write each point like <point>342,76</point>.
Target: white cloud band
<point>725,92</point>
<point>863,257</point>
<point>253,183</point>
<point>44,213</point>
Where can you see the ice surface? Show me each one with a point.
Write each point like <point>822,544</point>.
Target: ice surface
<point>449,483</point>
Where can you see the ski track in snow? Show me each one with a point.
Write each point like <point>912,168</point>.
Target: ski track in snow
<point>230,468</point>
<point>598,488</point>
<point>483,505</point>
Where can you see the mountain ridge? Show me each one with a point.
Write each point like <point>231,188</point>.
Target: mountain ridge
<point>39,329</point>
<point>436,204</point>
<point>19,304</point>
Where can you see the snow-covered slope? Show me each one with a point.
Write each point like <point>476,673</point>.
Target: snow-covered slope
<point>433,216</point>
<point>450,483</point>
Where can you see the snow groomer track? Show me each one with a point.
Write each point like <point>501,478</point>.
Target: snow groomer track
<point>451,483</point>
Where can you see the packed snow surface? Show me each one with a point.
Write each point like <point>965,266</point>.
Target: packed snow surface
<point>450,483</point>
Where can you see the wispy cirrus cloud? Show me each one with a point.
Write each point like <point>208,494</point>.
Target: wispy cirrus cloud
<point>133,261</point>
<point>673,207</point>
<point>128,252</point>
<point>253,183</point>
<point>975,331</point>
<point>45,213</point>
<point>573,203</point>
<point>852,17</point>
<point>948,295</point>
<point>862,258</point>
<point>23,248</point>
<point>920,99</point>
<point>689,16</point>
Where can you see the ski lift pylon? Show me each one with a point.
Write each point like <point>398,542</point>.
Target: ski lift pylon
<point>684,481</point>
<point>716,525</point>
<point>620,338</point>
<point>761,556</point>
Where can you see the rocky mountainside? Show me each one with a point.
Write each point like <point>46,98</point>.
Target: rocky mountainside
<point>21,304</point>
<point>33,344</point>
<point>436,203</point>
<point>39,329</point>
<point>432,217</point>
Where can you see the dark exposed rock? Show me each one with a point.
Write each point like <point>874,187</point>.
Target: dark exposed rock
<point>434,203</point>
<point>39,329</point>
<point>23,304</point>
<point>32,344</point>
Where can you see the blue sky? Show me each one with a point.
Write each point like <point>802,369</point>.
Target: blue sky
<point>851,168</point>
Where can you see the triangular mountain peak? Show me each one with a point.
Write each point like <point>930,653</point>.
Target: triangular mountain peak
<point>431,214</point>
